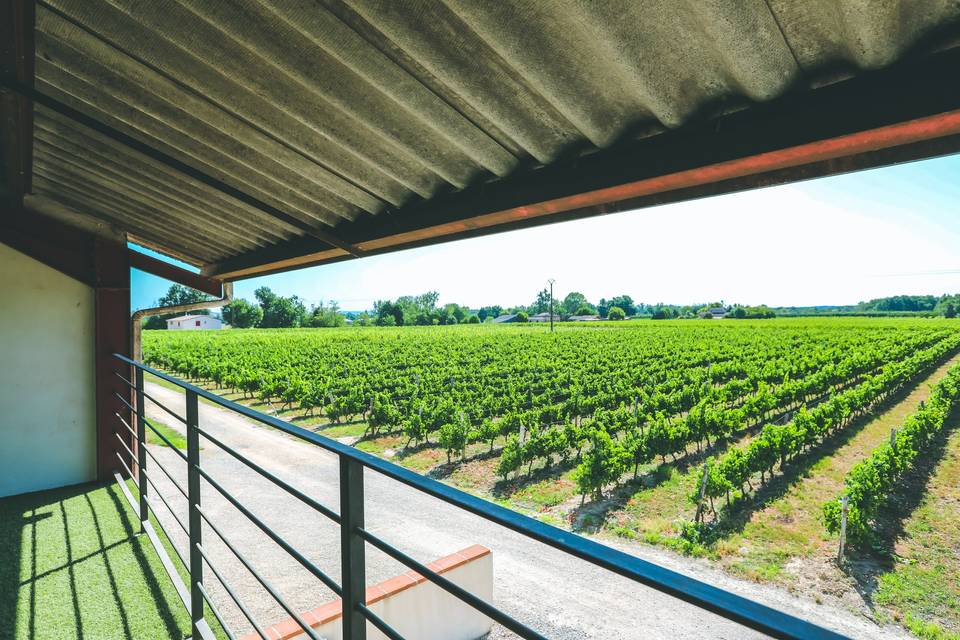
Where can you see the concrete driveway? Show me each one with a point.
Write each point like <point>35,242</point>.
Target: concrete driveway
<point>559,596</point>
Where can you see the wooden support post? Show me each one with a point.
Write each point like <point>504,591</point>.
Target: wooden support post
<point>112,335</point>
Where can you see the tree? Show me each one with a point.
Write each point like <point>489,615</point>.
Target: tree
<point>542,303</point>
<point>409,310</point>
<point>241,314</point>
<point>522,316</point>
<point>950,311</point>
<point>473,319</point>
<point>625,302</point>
<point>362,319</point>
<point>280,311</point>
<point>176,295</point>
<point>574,304</point>
<point>387,313</point>
<point>489,312</point>
<point>325,316</point>
<point>616,313</point>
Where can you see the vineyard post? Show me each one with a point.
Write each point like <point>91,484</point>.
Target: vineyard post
<point>551,281</point>
<point>703,492</point>
<point>844,505</point>
<point>893,439</point>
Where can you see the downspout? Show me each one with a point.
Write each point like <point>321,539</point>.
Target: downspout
<point>138,316</point>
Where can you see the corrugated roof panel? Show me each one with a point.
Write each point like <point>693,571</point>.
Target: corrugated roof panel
<point>333,112</point>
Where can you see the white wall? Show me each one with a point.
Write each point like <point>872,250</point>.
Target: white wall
<point>423,611</point>
<point>47,377</point>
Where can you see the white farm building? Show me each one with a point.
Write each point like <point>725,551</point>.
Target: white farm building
<point>194,323</point>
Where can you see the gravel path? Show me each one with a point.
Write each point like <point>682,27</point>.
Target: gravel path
<point>559,596</point>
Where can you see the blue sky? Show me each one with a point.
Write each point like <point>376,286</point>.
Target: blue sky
<point>835,240</point>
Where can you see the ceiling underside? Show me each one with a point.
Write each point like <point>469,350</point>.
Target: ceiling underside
<point>351,119</point>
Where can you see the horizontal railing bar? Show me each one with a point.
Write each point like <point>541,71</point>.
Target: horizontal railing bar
<point>164,407</point>
<point>286,546</point>
<point>153,428</point>
<point>725,604</point>
<point>263,581</point>
<point>236,600</point>
<point>274,479</point>
<point>129,428</point>
<point>167,505</point>
<point>127,468</point>
<point>129,384</point>
<point>216,612</point>
<point>167,473</point>
<point>456,590</point>
<point>151,399</point>
<point>123,444</point>
<point>378,622</point>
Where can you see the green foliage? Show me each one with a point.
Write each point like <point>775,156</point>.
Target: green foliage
<point>453,437</point>
<point>489,312</point>
<point>870,482</point>
<point>762,312</point>
<point>625,302</point>
<point>522,316</point>
<point>511,458</point>
<point>176,295</point>
<point>241,314</point>
<point>576,304</point>
<point>325,315</point>
<point>655,390</point>
<point>602,464</point>
<point>280,311</point>
<point>616,313</point>
<point>542,303</point>
<point>777,444</point>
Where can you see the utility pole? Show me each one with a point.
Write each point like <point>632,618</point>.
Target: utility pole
<point>551,281</point>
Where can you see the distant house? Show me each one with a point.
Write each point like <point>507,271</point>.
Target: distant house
<point>193,323</point>
<point>593,318</point>
<point>714,312</point>
<point>544,317</point>
<point>506,317</point>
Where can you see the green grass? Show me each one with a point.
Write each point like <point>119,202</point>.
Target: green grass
<point>923,587</point>
<point>171,434</point>
<point>73,567</point>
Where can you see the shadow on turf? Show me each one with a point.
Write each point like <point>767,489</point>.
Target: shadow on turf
<point>18,527</point>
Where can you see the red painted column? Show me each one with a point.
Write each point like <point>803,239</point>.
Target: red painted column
<point>112,335</point>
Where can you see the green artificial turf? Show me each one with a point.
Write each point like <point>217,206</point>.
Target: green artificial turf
<point>73,566</point>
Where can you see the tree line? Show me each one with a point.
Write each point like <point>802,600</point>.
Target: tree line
<point>270,311</point>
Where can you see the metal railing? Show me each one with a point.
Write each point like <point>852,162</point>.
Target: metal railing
<point>352,585</point>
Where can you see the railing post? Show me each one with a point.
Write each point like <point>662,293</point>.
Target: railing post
<point>193,492</point>
<point>354,579</point>
<point>141,449</point>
